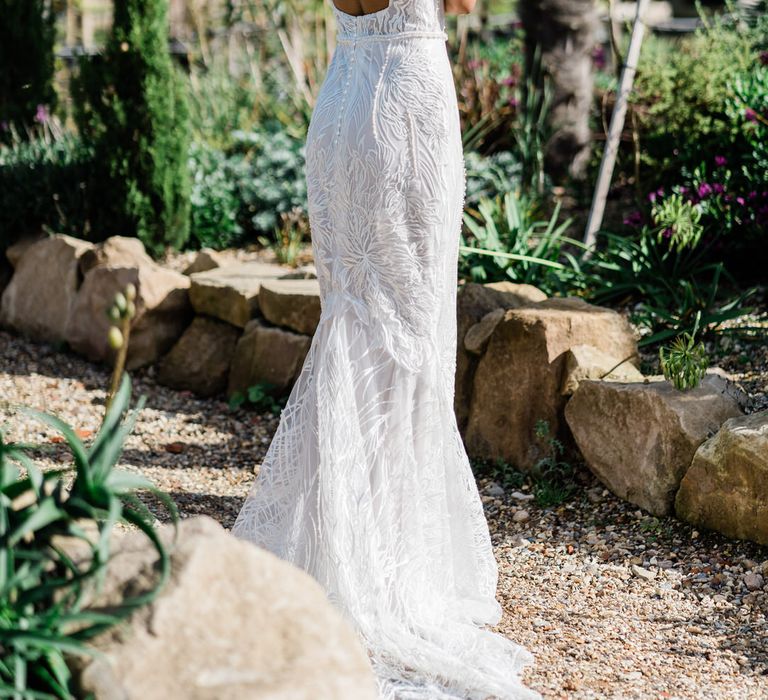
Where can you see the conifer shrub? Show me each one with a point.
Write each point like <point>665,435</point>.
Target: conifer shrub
<point>26,56</point>
<point>131,105</point>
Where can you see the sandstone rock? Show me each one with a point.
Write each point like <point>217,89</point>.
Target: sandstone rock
<point>587,362</point>
<point>291,303</point>
<point>42,290</point>
<point>14,251</point>
<point>162,312</point>
<point>200,359</point>
<point>518,379</point>
<point>726,487</point>
<point>524,293</point>
<point>206,259</point>
<point>639,437</point>
<point>231,293</point>
<point>265,354</point>
<point>116,251</point>
<point>473,302</point>
<point>234,622</point>
<point>477,337</point>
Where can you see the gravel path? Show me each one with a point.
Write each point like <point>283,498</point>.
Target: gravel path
<point>613,602</point>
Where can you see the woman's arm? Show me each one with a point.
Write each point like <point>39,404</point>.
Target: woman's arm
<point>458,7</point>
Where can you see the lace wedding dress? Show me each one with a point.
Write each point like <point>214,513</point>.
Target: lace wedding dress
<point>366,484</point>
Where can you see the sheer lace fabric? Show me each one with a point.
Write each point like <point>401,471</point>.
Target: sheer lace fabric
<point>366,484</point>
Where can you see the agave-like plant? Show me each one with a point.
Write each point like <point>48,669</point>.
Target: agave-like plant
<point>46,592</point>
<point>685,361</point>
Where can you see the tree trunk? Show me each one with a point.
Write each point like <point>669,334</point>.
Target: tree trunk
<point>562,33</point>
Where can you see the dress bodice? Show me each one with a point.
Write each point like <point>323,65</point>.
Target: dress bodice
<point>400,16</point>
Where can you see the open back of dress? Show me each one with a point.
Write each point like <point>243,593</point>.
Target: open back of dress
<point>367,485</point>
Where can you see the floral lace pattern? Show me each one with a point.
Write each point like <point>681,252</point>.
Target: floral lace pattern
<point>366,484</point>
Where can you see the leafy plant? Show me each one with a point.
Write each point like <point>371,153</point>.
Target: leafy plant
<point>685,361</point>
<point>289,237</point>
<point>262,396</point>
<point>269,170</point>
<point>46,591</point>
<point>679,220</point>
<point>553,478</point>
<point>507,242</point>
<point>215,205</point>
<point>669,286</point>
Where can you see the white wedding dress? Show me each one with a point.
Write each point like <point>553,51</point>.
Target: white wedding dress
<point>366,484</point>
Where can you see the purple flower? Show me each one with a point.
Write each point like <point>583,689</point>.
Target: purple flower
<point>42,115</point>
<point>720,161</point>
<point>750,115</point>
<point>509,80</point>
<point>667,232</point>
<point>633,219</point>
<point>704,190</point>
<point>599,57</point>
<point>513,102</point>
<point>764,58</point>
<point>652,196</point>
<point>718,188</point>
<point>740,200</point>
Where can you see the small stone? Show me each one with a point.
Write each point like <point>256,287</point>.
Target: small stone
<point>519,496</point>
<point>521,516</point>
<point>753,582</point>
<point>494,490</point>
<point>643,573</point>
<point>538,622</point>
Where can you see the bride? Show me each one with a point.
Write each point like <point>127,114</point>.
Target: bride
<point>366,484</point>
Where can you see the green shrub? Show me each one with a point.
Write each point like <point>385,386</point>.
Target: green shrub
<point>43,185</point>
<point>45,593</point>
<point>26,55</point>
<point>681,91</point>
<point>268,167</point>
<point>131,104</point>
<point>215,205</point>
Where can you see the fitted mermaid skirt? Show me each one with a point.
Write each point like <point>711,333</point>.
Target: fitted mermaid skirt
<point>366,484</point>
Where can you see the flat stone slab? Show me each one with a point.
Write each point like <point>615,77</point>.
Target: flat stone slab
<point>291,303</point>
<point>231,293</point>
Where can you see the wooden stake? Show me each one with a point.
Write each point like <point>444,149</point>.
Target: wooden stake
<point>611,149</point>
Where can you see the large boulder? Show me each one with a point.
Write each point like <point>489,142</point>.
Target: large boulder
<point>474,301</point>
<point>234,622</point>
<point>268,355</point>
<point>639,437</point>
<point>231,293</point>
<point>519,378</point>
<point>726,487</point>
<point>41,293</point>
<point>292,303</point>
<point>200,359</point>
<point>162,311</point>
<point>15,251</point>
<point>115,251</point>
